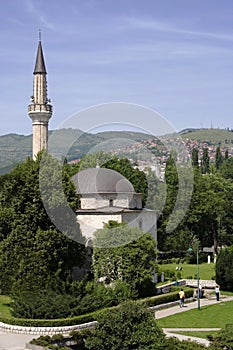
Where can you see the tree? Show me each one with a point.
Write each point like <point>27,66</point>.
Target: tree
<point>195,159</point>
<point>127,327</point>
<point>218,158</point>
<point>205,162</point>
<point>224,269</point>
<point>209,216</point>
<point>33,253</point>
<point>227,168</point>
<point>171,179</point>
<point>125,253</point>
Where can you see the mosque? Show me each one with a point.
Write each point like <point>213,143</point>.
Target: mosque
<point>105,194</point>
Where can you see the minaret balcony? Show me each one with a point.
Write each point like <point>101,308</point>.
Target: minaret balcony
<point>36,107</point>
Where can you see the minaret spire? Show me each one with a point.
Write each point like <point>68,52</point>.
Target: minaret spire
<point>40,111</point>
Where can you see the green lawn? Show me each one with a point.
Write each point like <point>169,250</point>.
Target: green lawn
<point>213,316</point>
<point>5,309</point>
<point>207,271</point>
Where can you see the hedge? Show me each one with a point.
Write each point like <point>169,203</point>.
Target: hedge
<point>92,316</point>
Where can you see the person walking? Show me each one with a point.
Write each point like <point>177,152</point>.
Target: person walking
<point>182,297</point>
<point>217,292</point>
<point>200,291</point>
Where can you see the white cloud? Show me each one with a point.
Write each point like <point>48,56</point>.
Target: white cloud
<point>173,28</point>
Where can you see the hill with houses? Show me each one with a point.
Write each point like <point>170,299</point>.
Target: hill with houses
<point>15,148</point>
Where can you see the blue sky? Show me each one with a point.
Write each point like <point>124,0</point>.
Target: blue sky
<point>173,56</point>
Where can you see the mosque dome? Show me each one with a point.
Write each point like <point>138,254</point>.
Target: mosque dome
<point>101,180</point>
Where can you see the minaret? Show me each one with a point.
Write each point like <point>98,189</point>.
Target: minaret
<point>39,110</point>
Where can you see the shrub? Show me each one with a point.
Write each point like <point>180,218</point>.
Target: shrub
<point>45,304</point>
<point>224,338</point>
<point>129,326</point>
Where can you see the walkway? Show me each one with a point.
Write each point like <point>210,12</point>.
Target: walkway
<point>12,341</point>
<point>176,309</point>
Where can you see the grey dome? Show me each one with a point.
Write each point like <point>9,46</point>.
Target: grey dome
<point>101,180</point>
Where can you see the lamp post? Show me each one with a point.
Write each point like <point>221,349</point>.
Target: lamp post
<point>198,280</point>
<point>198,276</point>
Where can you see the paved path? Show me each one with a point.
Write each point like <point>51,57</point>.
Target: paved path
<point>12,341</point>
<point>176,309</point>
<point>188,306</point>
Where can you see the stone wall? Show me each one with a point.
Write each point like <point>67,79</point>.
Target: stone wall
<point>65,330</point>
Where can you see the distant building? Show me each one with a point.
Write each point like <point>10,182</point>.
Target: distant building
<point>107,195</point>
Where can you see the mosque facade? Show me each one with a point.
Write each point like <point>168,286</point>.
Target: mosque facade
<point>104,194</point>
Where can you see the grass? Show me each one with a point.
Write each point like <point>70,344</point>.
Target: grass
<point>5,308</point>
<point>207,271</point>
<point>213,316</point>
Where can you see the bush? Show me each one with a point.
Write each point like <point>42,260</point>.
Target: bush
<point>129,326</point>
<point>45,304</point>
<point>92,316</point>
<point>167,298</point>
<point>224,338</point>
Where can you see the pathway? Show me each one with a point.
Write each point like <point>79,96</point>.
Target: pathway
<point>176,309</point>
<point>12,341</point>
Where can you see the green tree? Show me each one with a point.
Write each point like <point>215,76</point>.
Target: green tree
<point>224,269</point>
<point>227,168</point>
<point>171,180</point>
<point>128,327</point>
<point>195,160</point>
<point>205,162</point>
<point>209,216</point>
<point>33,253</point>
<point>218,158</point>
<point>125,253</point>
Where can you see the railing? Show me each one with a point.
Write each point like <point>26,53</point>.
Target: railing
<point>36,107</point>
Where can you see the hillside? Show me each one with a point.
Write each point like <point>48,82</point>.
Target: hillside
<point>16,148</point>
<point>214,136</point>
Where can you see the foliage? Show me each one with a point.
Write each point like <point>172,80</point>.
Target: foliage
<point>224,338</point>
<point>173,343</point>
<point>86,316</point>
<point>205,161</point>
<point>218,158</point>
<point>166,298</point>
<point>195,159</point>
<point>45,304</point>
<point>34,255</point>
<point>125,253</point>
<point>226,169</point>
<point>224,269</point>
<point>129,326</point>
<point>208,218</point>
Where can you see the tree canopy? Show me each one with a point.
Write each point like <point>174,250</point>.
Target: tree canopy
<point>125,253</point>
<point>34,254</point>
<point>130,326</point>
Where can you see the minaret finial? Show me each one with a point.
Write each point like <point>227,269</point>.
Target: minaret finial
<point>39,34</point>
